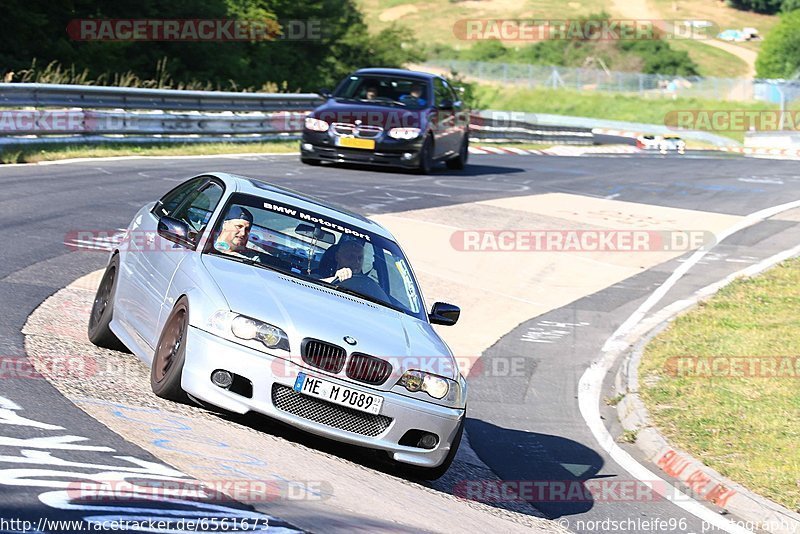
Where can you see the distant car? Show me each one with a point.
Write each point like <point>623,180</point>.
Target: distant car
<point>672,142</point>
<point>273,324</point>
<point>663,144</point>
<point>389,117</point>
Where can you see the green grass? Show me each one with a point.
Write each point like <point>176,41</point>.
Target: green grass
<point>712,61</point>
<point>433,21</point>
<point>603,105</point>
<point>33,154</point>
<point>745,428</point>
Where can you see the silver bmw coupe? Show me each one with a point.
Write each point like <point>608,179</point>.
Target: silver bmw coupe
<point>251,297</point>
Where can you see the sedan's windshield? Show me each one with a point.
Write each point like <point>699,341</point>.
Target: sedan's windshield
<point>406,92</point>
<point>306,245</point>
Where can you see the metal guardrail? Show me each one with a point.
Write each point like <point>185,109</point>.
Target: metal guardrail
<point>99,97</point>
<point>89,114</point>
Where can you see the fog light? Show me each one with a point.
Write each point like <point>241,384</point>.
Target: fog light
<point>408,155</point>
<point>428,441</point>
<point>222,379</point>
<point>307,146</point>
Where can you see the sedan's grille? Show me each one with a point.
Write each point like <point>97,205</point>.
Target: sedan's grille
<point>369,369</point>
<point>361,130</point>
<point>320,411</point>
<point>323,355</point>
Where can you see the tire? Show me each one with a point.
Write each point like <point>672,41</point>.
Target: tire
<point>170,354</point>
<point>433,473</point>
<point>103,310</point>
<point>460,161</point>
<point>426,156</point>
<point>312,162</point>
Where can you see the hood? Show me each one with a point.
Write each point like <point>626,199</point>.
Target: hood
<point>386,116</point>
<point>307,310</point>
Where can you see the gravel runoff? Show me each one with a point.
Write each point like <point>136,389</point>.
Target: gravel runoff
<point>114,388</point>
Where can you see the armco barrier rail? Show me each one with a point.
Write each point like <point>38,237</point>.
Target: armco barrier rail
<point>97,97</point>
<point>48,114</point>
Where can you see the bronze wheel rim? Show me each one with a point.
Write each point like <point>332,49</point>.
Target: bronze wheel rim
<point>102,298</point>
<point>170,346</point>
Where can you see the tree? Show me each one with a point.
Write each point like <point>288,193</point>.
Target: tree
<point>759,6</point>
<point>337,42</point>
<point>780,53</point>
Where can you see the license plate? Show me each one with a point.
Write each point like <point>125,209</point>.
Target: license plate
<point>341,395</point>
<point>354,142</point>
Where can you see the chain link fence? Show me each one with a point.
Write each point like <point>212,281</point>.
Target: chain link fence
<point>646,85</point>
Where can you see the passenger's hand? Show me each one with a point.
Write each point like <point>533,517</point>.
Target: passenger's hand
<point>343,274</point>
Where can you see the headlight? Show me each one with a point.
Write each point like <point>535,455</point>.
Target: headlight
<point>317,125</point>
<point>404,133</point>
<point>435,386</point>
<point>224,323</point>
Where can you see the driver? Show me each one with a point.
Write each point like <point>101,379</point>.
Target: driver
<point>235,233</point>
<point>349,260</point>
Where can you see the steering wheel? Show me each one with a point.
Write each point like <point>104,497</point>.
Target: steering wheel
<point>366,285</point>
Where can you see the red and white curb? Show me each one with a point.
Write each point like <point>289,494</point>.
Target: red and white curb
<point>559,150</point>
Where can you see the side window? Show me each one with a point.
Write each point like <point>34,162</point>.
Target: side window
<point>196,210</point>
<point>441,90</point>
<point>451,93</point>
<point>169,202</point>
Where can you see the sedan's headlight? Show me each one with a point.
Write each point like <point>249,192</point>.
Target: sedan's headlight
<point>404,133</point>
<point>435,386</point>
<point>317,125</point>
<point>224,323</point>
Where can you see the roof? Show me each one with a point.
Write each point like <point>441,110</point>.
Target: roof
<point>254,186</point>
<point>396,72</point>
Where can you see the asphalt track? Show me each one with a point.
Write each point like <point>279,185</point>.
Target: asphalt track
<point>529,429</point>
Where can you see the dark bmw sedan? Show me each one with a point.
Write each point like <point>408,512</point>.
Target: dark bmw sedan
<point>389,117</point>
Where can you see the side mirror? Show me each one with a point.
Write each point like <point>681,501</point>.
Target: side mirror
<point>444,314</point>
<point>324,93</point>
<point>446,104</point>
<point>175,231</point>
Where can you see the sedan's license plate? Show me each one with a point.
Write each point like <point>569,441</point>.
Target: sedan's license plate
<point>341,395</point>
<point>354,142</point>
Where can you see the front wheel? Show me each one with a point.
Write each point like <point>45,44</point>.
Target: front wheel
<point>460,161</point>
<point>312,162</point>
<point>170,355</point>
<point>426,156</point>
<point>102,312</point>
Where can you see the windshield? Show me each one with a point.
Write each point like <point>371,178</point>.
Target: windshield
<point>406,92</point>
<point>304,244</point>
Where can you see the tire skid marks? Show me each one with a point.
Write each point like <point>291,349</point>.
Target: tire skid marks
<point>35,465</point>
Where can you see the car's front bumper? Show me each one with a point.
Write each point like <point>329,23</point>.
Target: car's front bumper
<point>322,146</point>
<point>206,353</point>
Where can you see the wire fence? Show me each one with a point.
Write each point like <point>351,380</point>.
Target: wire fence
<point>646,85</point>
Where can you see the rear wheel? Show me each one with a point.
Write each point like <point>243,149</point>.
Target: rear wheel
<point>460,161</point>
<point>170,354</point>
<point>103,308</point>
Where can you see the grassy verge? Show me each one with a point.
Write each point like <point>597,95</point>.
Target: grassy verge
<point>33,154</point>
<point>745,427</point>
<point>604,105</point>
